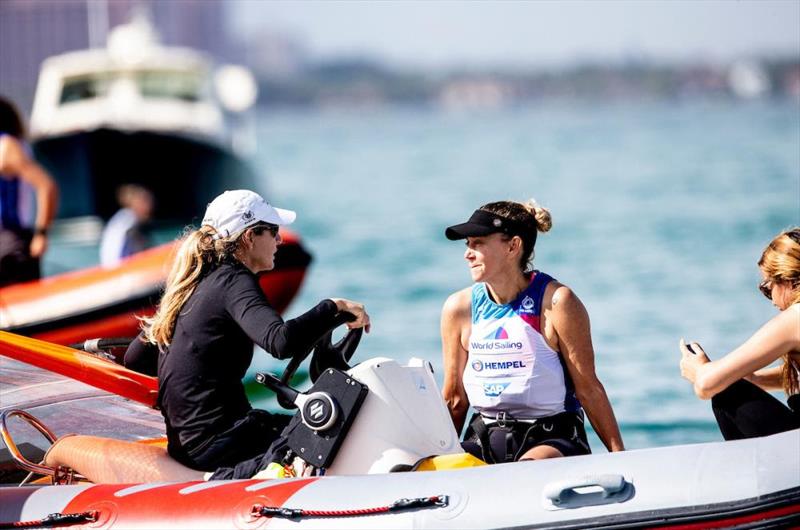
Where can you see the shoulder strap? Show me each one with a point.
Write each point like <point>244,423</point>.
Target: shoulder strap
<point>477,297</point>
<point>537,287</point>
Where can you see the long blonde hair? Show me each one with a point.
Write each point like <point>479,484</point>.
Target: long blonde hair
<point>197,253</point>
<point>780,262</point>
<point>530,215</point>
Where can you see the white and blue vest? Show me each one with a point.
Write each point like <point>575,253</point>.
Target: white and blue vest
<point>510,367</point>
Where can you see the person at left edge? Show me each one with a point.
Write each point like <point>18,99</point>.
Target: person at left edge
<point>23,236</point>
<point>200,341</point>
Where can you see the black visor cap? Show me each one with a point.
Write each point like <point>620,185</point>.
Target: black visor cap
<point>483,223</point>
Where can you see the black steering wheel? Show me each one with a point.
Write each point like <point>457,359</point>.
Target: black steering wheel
<point>326,355</point>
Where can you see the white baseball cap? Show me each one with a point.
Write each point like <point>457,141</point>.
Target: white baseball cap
<point>233,211</point>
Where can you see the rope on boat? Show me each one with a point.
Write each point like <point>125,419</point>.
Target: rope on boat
<point>54,519</point>
<point>436,501</point>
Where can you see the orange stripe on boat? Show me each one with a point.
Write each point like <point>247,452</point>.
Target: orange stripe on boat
<point>124,325</point>
<point>144,268</point>
<point>147,267</point>
<point>216,504</point>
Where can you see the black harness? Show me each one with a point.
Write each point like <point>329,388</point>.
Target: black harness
<point>506,439</point>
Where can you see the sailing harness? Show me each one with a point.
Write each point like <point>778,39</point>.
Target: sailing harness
<point>505,439</point>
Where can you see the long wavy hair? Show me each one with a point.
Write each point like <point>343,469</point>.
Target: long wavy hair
<point>198,252</point>
<point>530,215</point>
<point>780,262</point>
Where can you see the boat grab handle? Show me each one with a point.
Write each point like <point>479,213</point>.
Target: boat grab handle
<point>589,490</point>
<point>14,451</point>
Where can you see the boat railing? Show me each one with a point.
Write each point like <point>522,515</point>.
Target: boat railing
<point>59,475</point>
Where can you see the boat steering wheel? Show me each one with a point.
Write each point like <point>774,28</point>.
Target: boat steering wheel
<point>326,354</point>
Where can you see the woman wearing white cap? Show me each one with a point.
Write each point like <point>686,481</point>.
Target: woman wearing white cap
<point>200,340</point>
<point>517,347</point>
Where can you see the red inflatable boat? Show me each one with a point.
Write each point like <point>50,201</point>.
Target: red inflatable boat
<point>104,302</point>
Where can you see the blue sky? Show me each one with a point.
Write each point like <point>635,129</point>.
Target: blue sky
<point>533,33</point>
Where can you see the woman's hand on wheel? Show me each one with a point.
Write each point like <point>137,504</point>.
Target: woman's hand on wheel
<point>357,309</point>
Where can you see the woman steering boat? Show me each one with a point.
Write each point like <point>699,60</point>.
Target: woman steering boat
<point>200,341</point>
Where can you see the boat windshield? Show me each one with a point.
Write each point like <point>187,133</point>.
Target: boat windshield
<point>85,87</point>
<point>185,86</point>
<point>151,84</point>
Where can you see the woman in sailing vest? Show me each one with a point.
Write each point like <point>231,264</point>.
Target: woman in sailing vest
<point>517,347</point>
<point>738,382</point>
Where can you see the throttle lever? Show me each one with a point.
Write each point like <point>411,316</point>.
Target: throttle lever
<point>318,410</point>
<point>286,394</point>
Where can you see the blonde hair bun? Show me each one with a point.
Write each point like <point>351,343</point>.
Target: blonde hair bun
<point>544,221</point>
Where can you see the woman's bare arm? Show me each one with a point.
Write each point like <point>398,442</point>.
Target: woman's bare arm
<point>454,324</point>
<point>15,161</point>
<point>767,378</point>
<point>777,337</point>
<point>571,322</point>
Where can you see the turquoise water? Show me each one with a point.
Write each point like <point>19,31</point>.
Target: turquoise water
<point>660,213</point>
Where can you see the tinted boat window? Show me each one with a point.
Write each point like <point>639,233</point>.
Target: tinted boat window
<point>84,87</point>
<point>156,84</point>
<point>171,85</point>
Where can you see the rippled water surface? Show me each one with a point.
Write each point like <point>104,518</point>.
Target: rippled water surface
<point>660,213</point>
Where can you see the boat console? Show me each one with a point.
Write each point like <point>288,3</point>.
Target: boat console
<point>376,417</point>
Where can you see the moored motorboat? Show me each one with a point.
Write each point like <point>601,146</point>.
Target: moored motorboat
<point>105,302</point>
<point>137,112</point>
<point>368,484</point>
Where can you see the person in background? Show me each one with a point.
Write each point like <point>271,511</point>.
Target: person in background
<point>737,384</point>
<point>23,184</point>
<point>123,235</point>
<point>517,347</point>
<point>200,341</point>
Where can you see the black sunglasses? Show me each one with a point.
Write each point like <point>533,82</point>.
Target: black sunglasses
<point>766,288</point>
<point>266,227</point>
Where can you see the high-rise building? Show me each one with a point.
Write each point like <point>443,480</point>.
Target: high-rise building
<point>32,30</point>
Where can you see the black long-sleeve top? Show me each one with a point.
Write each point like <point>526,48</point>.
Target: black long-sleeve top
<point>200,374</point>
